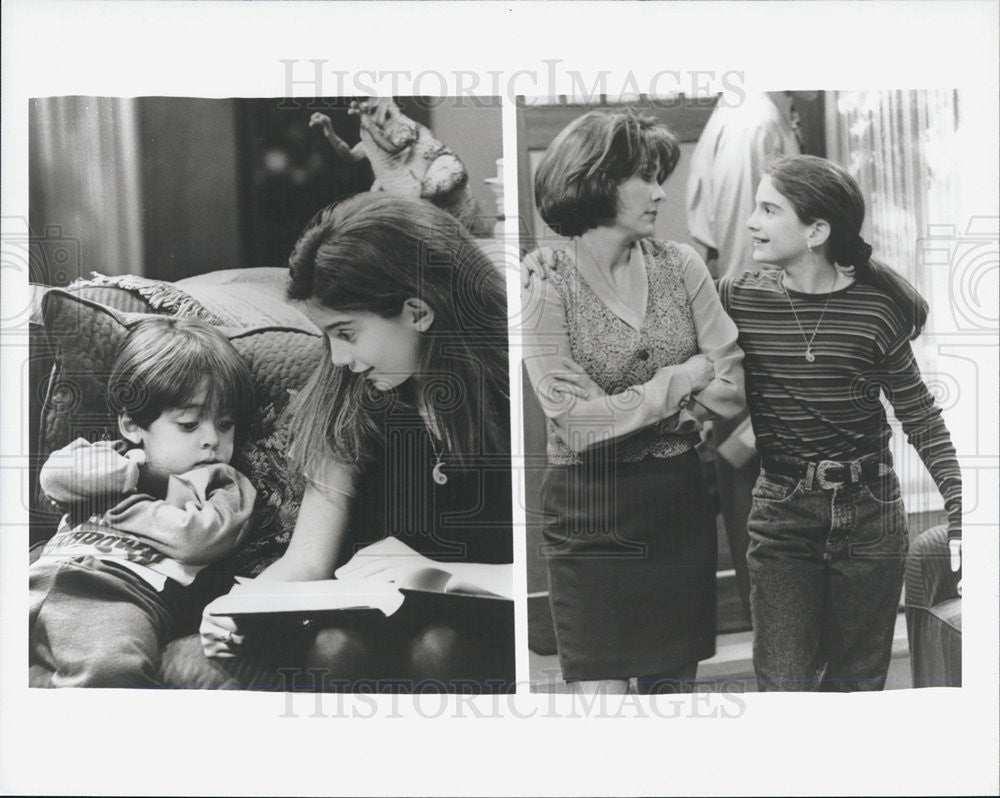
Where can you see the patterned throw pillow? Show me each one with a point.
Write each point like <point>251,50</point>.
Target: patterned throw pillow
<point>279,344</point>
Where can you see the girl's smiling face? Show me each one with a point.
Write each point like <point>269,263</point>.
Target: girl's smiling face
<point>386,351</point>
<point>779,237</point>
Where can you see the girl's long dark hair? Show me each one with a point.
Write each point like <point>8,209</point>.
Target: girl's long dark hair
<point>371,253</point>
<point>820,189</point>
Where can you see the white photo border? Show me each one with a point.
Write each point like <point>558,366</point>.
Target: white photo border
<point>190,742</point>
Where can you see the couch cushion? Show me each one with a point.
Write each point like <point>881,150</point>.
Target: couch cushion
<point>277,341</point>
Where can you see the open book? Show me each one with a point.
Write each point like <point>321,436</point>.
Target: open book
<point>300,600</point>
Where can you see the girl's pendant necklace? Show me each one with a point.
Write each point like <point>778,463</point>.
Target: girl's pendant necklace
<point>437,472</point>
<point>810,357</point>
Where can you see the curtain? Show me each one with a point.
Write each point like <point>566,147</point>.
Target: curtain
<point>85,201</point>
<point>904,149</point>
<point>901,147</point>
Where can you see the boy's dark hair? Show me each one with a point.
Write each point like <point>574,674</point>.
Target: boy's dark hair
<point>165,362</point>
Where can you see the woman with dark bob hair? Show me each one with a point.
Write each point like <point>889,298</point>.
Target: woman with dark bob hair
<point>402,435</point>
<point>629,352</point>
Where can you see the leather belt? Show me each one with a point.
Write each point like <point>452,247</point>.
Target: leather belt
<point>827,474</point>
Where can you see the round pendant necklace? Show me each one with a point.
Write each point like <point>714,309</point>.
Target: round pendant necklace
<point>810,357</point>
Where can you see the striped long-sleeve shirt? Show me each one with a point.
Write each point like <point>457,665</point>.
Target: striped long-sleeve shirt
<point>831,409</point>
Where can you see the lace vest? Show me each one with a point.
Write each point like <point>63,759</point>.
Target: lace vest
<point>616,356</point>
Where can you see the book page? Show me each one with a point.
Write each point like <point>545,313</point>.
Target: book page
<point>432,580</point>
<point>265,596</point>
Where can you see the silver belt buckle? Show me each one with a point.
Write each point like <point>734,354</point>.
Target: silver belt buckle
<point>821,469</point>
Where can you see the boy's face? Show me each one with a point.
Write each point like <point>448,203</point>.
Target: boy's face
<point>185,437</point>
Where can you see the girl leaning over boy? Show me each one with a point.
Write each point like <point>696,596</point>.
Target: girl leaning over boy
<point>402,432</point>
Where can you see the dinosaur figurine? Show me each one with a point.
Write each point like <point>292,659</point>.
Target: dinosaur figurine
<point>408,161</point>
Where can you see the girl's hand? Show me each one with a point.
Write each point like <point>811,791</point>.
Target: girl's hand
<point>955,549</point>
<point>386,560</point>
<point>219,635</point>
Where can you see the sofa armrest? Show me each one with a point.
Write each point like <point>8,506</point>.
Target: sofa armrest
<point>933,612</point>
<point>929,578</point>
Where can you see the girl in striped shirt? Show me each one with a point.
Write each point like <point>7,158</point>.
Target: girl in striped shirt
<point>826,335</point>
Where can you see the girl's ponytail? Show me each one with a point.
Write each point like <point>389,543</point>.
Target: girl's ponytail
<point>902,293</point>
<point>860,255</point>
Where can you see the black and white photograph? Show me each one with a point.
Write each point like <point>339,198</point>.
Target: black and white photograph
<point>579,397</point>
<point>291,366</point>
<point>721,481</point>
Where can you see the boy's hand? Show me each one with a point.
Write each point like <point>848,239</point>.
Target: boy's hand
<point>137,456</point>
<point>219,635</point>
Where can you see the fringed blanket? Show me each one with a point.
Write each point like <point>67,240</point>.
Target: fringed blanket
<point>161,296</point>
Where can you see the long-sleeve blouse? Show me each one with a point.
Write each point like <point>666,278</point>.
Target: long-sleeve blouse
<point>638,354</point>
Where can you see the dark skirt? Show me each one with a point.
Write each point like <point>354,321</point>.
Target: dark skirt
<point>631,550</point>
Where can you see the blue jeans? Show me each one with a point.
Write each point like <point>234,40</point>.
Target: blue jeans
<point>826,570</point>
